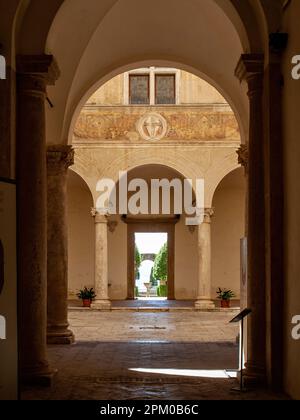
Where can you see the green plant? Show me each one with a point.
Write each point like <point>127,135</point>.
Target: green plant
<point>225,294</point>
<point>137,262</point>
<point>153,280</point>
<point>136,292</point>
<point>160,269</point>
<point>162,291</point>
<point>86,294</point>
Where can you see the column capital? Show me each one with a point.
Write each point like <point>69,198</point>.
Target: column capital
<point>250,68</point>
<point>249,65</point>
<point>207,214</point>
<point>243,156</point>
<point>100,215</point>
<point>40,66</point>
<point>59,158</point>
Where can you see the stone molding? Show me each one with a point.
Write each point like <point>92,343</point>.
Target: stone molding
<point>59,158</point>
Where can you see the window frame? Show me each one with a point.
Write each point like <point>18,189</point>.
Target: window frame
<point>131,75</point>
<point>161,74</point>
<point>152,72</point>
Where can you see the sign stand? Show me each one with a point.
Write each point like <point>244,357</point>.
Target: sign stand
<point>240,318</point>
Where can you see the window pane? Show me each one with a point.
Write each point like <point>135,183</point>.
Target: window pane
<point>165,89</point>
<point>139,89</point>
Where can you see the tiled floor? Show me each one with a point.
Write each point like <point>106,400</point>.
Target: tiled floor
<point>131,355</point>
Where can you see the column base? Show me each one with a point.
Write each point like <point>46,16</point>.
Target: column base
<point>38,376</point>
<point>254,376</point>
<point>65,337</point>
<point>204,304</point>
<point>101,305</point>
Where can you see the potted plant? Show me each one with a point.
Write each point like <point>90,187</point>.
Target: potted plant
<point>87,296</point>
<point>225,296</point>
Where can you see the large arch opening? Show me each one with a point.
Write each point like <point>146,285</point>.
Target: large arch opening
<point>240,29</point>
<point>228,228</point>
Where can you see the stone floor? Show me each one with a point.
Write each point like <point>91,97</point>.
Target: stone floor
<point>157,303</point>
<point>146,356</point>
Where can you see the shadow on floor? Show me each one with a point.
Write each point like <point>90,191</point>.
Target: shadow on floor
<point>112,371</point>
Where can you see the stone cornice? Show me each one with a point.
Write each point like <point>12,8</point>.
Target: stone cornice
<point>59,158</point>
<point>42,66</point>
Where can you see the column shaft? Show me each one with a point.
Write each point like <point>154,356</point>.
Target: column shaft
<point>101,262</point>
<point>204,300</point>
<point>33,75</point>
<point>59,158</point>
<point>250,69</point>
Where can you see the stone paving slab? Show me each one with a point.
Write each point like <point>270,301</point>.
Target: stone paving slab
<point>160,326</point>
<point>168,359</point>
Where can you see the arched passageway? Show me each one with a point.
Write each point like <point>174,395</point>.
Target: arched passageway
<point>243,28</point>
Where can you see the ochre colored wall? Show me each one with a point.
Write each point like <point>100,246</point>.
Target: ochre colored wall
<point>193,90</point>
<point>291,106</point>
<point>117,261</point>
<point>111,93</point>
<point>228,227</point>
<point>186,262</point>
<point>81,235</point>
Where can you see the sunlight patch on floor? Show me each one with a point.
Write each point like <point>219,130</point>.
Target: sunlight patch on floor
<point>217,374</point>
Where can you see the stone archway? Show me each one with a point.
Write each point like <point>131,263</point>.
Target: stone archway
<point>35,73</point>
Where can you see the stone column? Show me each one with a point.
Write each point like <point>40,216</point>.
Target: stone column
<point>34,73</point>
<point>59,158</point>
<point>250,69</point>
<point>101,261</point>
<point>204,300</point>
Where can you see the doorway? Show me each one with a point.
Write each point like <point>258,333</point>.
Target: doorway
<point>151,265</point>
<point>147,242</point>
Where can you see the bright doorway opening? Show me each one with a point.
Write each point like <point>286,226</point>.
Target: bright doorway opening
<point>151,265</point>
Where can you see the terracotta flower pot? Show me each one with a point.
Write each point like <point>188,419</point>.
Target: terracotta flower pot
<point>225,304</point>
<point>86,303</point>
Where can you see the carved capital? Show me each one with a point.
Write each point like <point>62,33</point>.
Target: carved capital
<point>207,214</point>
<point>39,66</point>
<point>59,158</point>
<point>34,73</point>
<point>243,156</point>
<point>100,215</point>
<point>250,68</point>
